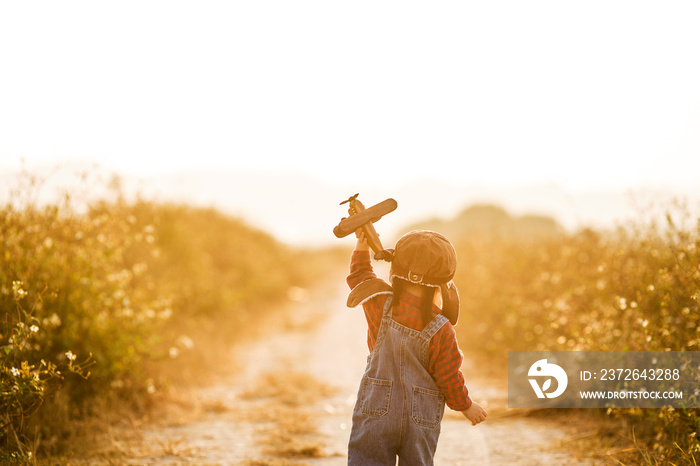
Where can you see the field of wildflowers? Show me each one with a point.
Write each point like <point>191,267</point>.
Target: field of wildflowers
<point>634,288</point>
<point>95,301</point>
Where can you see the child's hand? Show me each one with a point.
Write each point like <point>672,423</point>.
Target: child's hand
<point>475,413</point>
<point>362,244</point>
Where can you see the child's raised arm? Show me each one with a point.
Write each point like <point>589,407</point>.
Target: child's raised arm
<point>362,244</point>
<point>360,265</point>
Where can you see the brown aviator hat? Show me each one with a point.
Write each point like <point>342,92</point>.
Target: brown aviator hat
<point>428,258</point>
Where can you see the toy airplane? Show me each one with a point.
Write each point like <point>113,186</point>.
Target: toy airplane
<point>364,218</point>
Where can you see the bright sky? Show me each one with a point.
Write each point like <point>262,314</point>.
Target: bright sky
<point>587,94</point>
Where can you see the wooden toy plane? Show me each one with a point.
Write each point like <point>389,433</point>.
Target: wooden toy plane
<point>364,218</point>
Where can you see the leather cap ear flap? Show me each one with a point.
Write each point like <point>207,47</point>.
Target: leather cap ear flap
<point>385,255</point>
<point>450,302</point>
<point>368,289</point>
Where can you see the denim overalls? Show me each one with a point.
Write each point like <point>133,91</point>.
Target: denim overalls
<point>399,407</point>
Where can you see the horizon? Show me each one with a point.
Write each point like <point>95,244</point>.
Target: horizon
<point>303,209</point>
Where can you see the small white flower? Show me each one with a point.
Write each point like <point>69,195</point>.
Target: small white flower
<point>17,289</point>
<point>14,371</point>
<point>71,356</point>
<point>34,329</point>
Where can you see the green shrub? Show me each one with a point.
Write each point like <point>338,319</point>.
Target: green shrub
<point>116,285</point>
<point>636,288</point>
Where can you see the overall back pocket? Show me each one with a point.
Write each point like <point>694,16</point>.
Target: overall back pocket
<point>375,396</point>
<point>428,407</point>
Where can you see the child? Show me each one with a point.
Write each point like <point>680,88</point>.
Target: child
<point>414,364</point>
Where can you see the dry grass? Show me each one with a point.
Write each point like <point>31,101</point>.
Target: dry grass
<point>597,438</point>
<point>288,428</point>
<point>274,462</point>
<point>288,388</point>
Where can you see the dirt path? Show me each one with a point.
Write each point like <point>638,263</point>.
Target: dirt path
<point>290,403</point>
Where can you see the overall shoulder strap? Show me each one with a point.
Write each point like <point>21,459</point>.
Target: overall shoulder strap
<point>388,307</point>
<point>436,324</point>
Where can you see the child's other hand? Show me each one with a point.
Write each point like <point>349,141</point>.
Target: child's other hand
<point>362,244</point>
<point>475,413</point>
